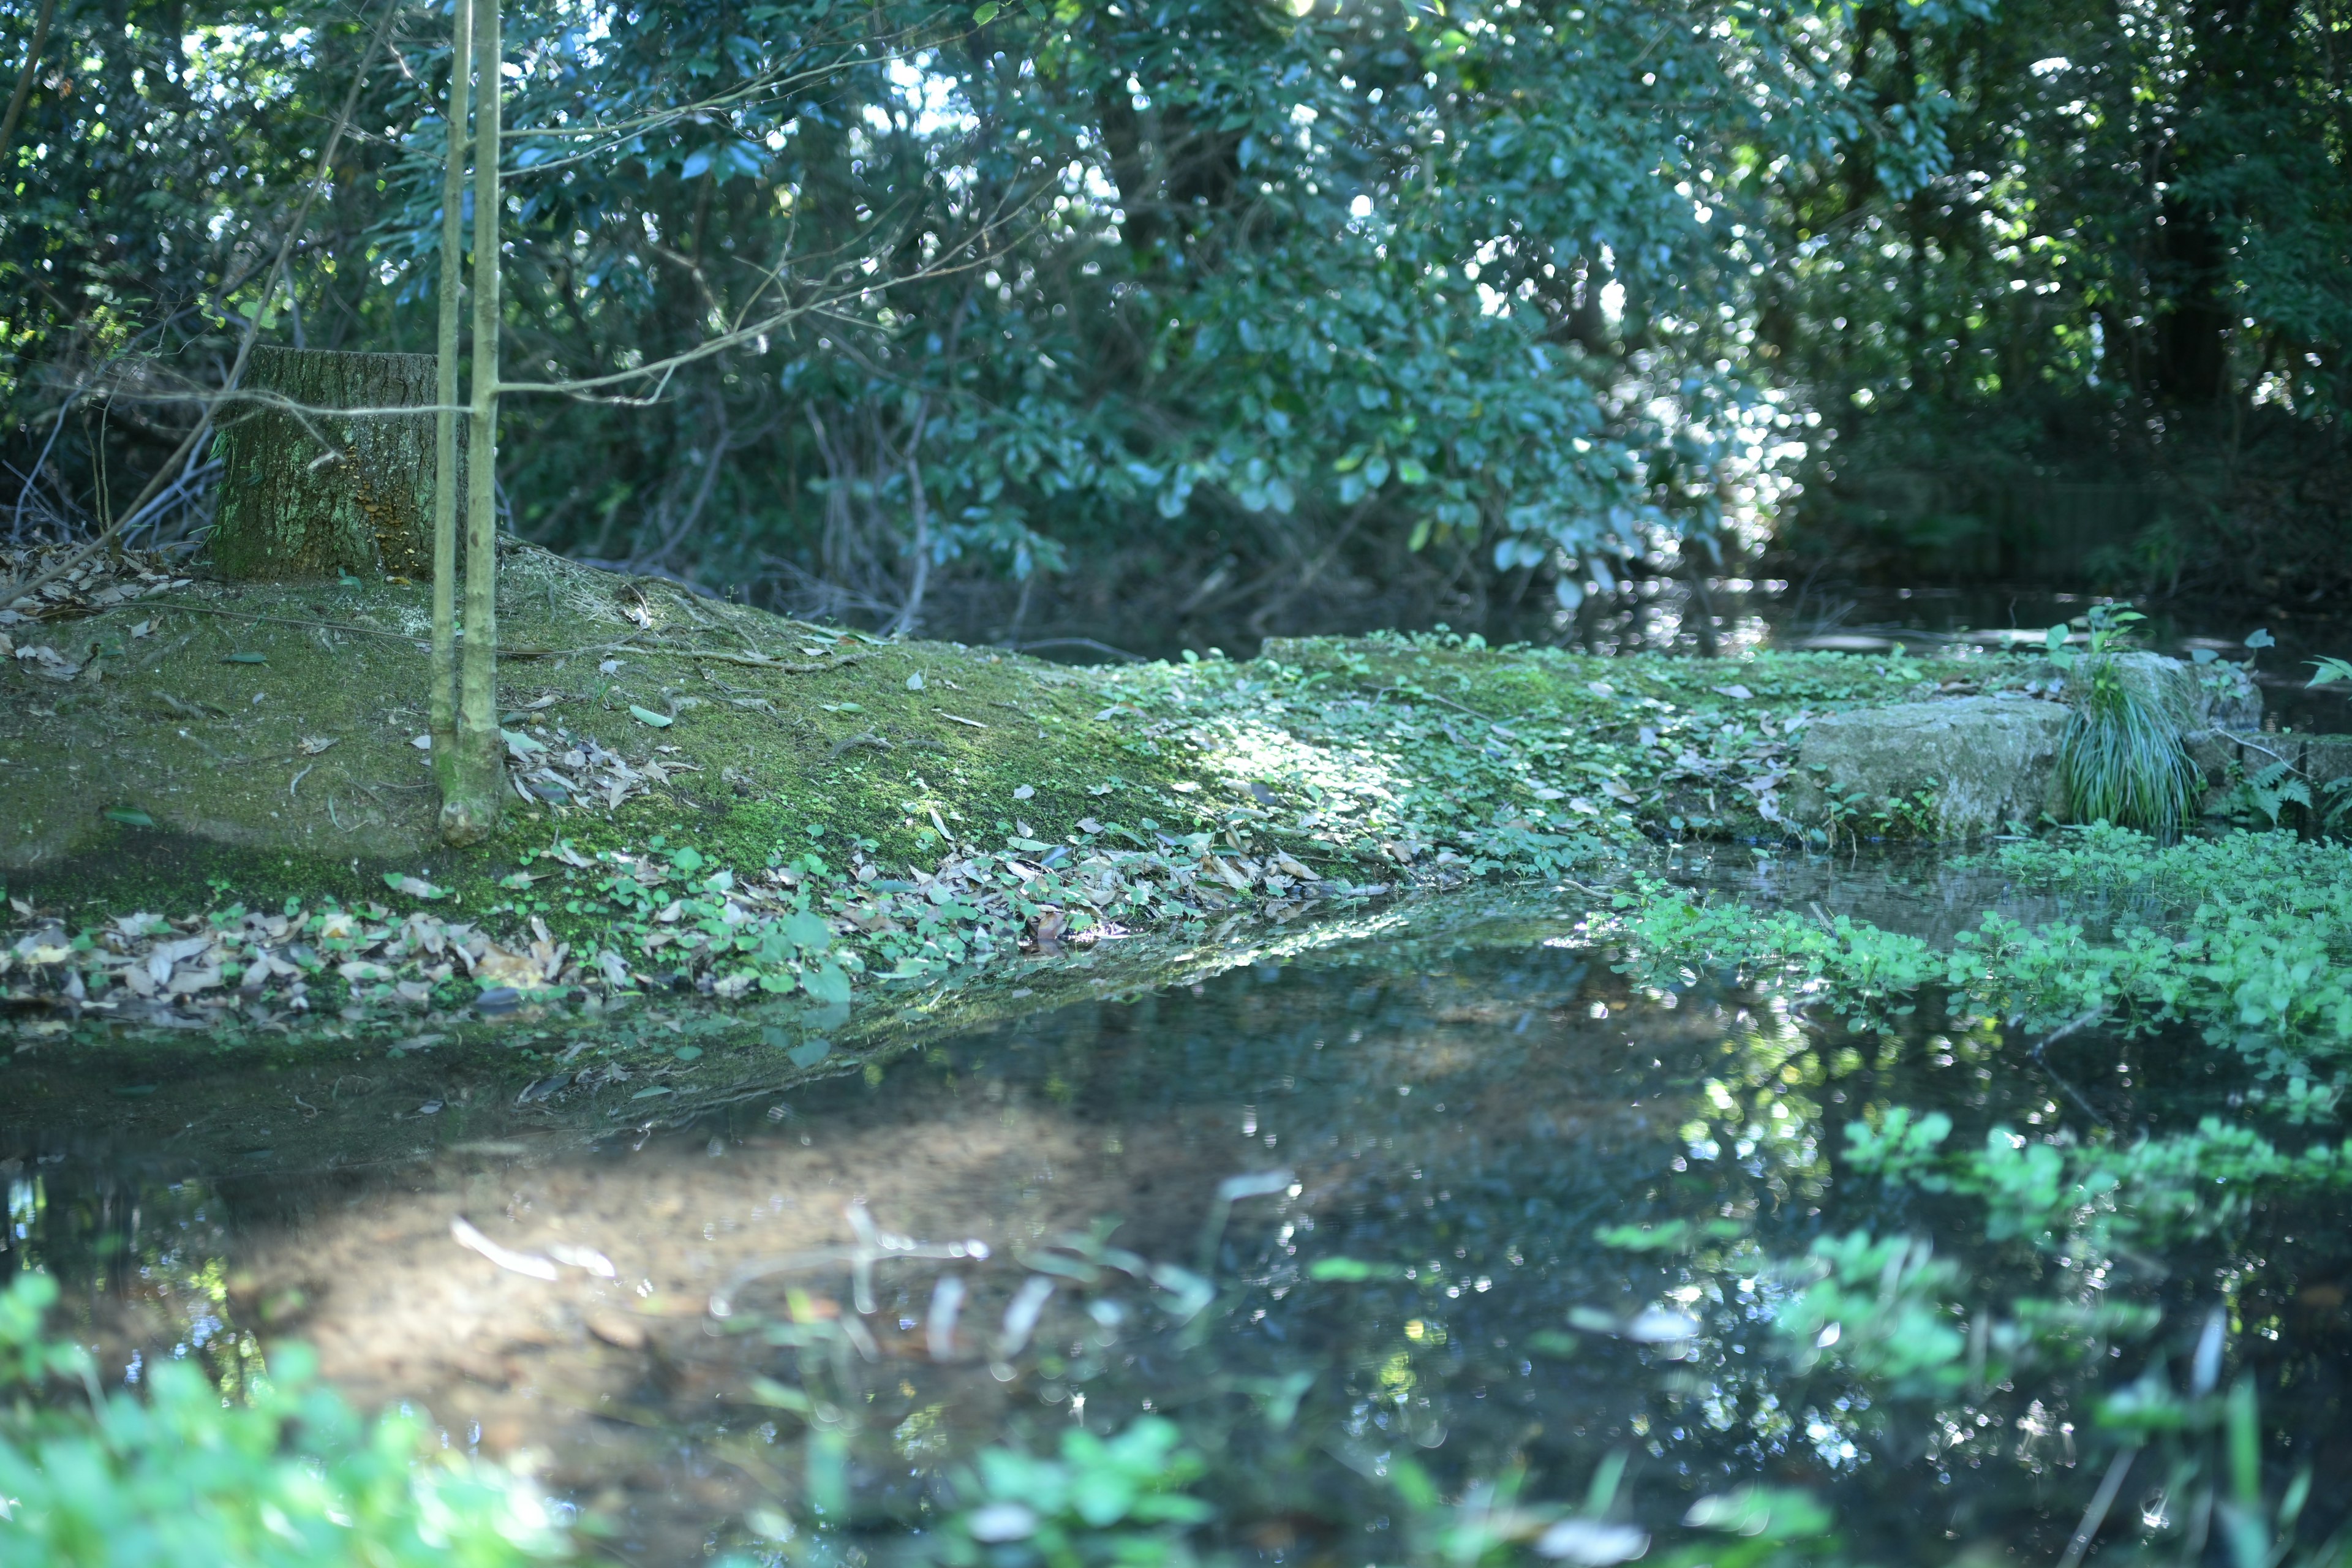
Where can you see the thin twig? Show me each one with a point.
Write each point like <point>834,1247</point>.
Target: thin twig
<point>2096,1514</point>
<point>2083,1021</point>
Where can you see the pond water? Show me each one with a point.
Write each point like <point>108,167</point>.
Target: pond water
<point>1329,1216</point>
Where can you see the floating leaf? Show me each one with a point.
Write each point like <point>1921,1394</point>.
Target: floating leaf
<point>647,716</point>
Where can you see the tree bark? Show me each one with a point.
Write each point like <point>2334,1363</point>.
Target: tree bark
<point>470,811</point>
<point>443,706</point>
<point>312,494</point>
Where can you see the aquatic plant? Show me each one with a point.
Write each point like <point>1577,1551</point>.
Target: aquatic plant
<point>1121,1498</point>
<point>290,1479</point>
<point>2248,937</point>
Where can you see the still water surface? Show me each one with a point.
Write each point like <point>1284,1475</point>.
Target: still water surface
<point>1323,1215</point>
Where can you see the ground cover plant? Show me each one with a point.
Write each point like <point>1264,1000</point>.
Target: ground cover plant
<point>283,1474</point>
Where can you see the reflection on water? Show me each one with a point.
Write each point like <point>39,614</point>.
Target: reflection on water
<point>1323,1215</point>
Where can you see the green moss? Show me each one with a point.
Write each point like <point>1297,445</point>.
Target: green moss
<point>794,807</point>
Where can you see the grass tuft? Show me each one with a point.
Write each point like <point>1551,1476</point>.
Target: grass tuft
<point>2121,760</point>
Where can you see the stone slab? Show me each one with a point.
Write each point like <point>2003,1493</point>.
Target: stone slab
<point>1986,761</point>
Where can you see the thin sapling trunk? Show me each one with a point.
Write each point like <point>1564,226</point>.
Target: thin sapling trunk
<point>444,421</point>
<point>471,811</point>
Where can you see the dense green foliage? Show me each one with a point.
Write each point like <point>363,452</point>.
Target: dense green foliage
<point>1241,308</point>
<point>286,1476</point>
<point>2095,342</point>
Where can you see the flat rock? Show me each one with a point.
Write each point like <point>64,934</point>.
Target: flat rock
<point>1982,762</point>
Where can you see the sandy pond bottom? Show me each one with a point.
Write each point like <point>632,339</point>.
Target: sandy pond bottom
<point>1322,1215</point>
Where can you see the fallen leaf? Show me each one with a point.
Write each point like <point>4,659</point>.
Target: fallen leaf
<point>1737,693</point>
<point>414,887</point>
<point>422,742</point>
<point>1025,792</point>
<point>312,745</point>
<point>130,816</point>
<point>1088,825</point>
<point>915,681</point>
<point>142,628</point>
<point>960,718</point>
<point>242,658</point>
<point>617,1331</point>
<point>496,967</point>
<point>647,716</point>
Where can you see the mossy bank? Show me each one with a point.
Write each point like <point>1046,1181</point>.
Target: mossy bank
<point>224,806</point>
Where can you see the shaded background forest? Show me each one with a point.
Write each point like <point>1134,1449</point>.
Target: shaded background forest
<point>1169,322</point>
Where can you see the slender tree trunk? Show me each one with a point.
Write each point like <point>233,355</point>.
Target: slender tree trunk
<point>910,614</point>
<point>445,422</point>
<point>24,79</point>
<point>1701,613</point>
<point>470,811</point>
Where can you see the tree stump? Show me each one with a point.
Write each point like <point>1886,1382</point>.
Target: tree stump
<point>310,495</point>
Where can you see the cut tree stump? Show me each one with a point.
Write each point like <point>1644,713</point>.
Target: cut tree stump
<point>310,495</point>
